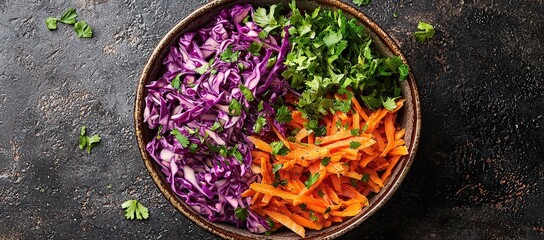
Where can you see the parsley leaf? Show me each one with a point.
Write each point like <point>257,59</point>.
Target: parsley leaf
<point>390,104</point>
<point>361,2</point>
<point>365,177</point>
<point>69,16</point>
<point>311,180</point>
<point>260,106</point>
<point>241,213</point>
<point>365,127</point>
<point>193,148</point>
<point>320,193</point>
<point>86,142</point>
<point>135,210</point>
<point>176,82</point>
<point>229,56</point>
<point>259,124</point>
<point>182,139</point>
<point>83,30</point>
<point>313,217</point>
<point>268,21</point>
<point>279,182</point>
<point>302,206</point>
<point>353,182</point>
<point>283,115</point>
<point>51,23</point>
<point>217,126</point>
<point>328,210</point>
<point>325,161</point>
<point>247,93</point>
<point>278,148</point>
<point>255,48</point>
<point>276,167</point>
<point>354,144</point>
<point>235,107</point>
<point>355,132</point>
<point>426,32</point>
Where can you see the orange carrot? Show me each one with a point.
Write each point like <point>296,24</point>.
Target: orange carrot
<point>286,221</point>
<point>320,181</point>
<point>260,144</point>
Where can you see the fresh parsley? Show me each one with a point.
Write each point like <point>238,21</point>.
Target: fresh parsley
<point>176,82</point>
<point>182,139</point>
<point>276,167</point>
<point>328,210</point>
<point>247,93</point>
<point>390,104</point>
<point>87,142</point>
<point>354,144</point>
<point>302,206</point>
<point>51,23</point>
<point>255,48</point>
<point>217,126</point>
<point>259,124</point>
<point>229,56</point>
<point>135,210</point>
<point>241,213</point>
<point>283,115</point>
<point>365,177</point>
<point>278,148</point>
<point>311,180</point>
<point>235,107</point>
<point>332,54</point>
<point>426,32</point>
<point>355,132</point>
<point>361,2</point>
<point>69,17</point>
<point>325,161</point>
<point>83,30</point>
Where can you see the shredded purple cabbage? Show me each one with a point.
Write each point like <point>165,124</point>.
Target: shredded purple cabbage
<point>211,180</point>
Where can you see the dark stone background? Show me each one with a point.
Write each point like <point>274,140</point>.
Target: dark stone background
<point>479,172</point>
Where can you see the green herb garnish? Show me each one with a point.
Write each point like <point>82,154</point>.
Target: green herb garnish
<point>426,32</point>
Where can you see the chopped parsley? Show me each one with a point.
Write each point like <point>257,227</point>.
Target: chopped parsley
<point>241,213</point>
<point>135,210</point>
<point>355,132</point>
<point>332,54</point>
<point>276,167</point>
<point>278,148</point>
<point>311,180</point>
<point>69,17</point>
<point>182,139</point>
<point>229,56</point>
<point>259,124</point>
<point>255,48</point>
<point>247,93</point>
<point>325,161</point>
<point>302,206</point>
<point>176,82</point>
<point>235,107</point>
<point>354,144</point>
<point>217,126</point>
<point>87,142</point>
<point>283,115</point>
<point>361,2</point>
<point>426,32</point>
<point>365,177</point>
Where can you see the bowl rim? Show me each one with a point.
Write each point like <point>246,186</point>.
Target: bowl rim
<point>164,43</point>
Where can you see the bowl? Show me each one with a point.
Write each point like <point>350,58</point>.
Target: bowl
<point>409,117</point>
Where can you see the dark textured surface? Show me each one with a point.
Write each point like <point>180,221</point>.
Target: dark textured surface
<point>479,173</point>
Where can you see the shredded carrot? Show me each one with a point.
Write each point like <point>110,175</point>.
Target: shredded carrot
<point>324,180</point>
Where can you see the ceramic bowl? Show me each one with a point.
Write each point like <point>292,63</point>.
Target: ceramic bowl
<point>409,117</point>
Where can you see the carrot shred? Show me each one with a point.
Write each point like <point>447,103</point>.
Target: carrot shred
<point>286,221</point>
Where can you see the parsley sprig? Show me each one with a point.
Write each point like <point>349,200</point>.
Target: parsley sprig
<point>82,29</point>
<point>87,142</point>
<point>135,210</point>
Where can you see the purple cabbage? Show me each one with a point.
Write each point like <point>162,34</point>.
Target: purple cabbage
<point>207,173</point>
